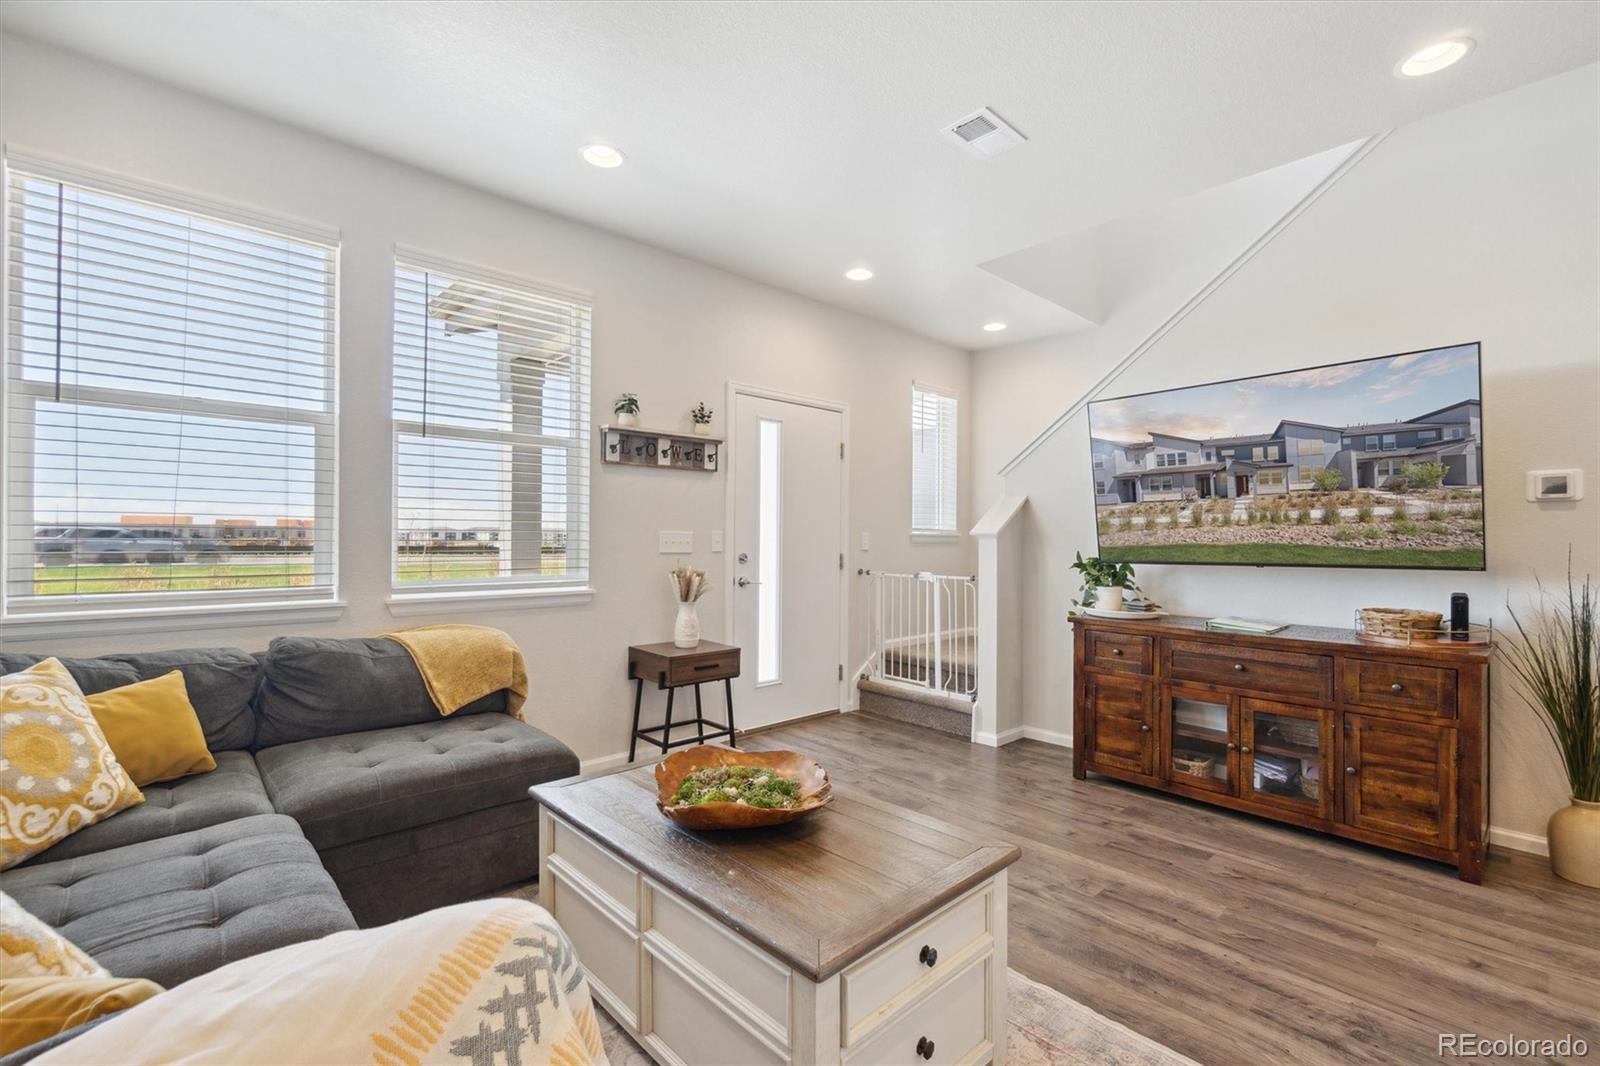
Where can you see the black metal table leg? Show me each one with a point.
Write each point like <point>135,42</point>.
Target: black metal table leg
<point>728,687</point>
<point>699,715</point>
<point>633,737</point>
<point>666,730</point>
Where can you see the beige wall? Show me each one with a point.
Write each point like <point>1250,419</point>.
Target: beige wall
<point>670,329</point>
<point>1475,225</point>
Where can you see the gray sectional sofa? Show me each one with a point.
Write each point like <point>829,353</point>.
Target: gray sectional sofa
<point>340,797</point>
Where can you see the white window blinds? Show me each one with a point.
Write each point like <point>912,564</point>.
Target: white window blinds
<point>169,418</point>
<point>491,431</point>
<point>933,460</point>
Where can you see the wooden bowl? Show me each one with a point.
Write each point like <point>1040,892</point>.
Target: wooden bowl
<point>815,789</point>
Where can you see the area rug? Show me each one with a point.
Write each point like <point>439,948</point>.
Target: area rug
<point>1047,1029</point>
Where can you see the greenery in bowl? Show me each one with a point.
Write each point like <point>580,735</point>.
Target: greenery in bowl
<point>752,786</point>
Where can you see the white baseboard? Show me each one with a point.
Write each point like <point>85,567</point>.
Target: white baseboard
<point>1510,838</point>
<point>602,763</point>
<point>996,740</point>
<point>1047,736</point>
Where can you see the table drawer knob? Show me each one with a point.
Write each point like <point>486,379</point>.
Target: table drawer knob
<point>929,955</point>
<point>925,1047</point>
<point>1239,667</point>
<point>1349,769</point>
<point>1144,729</point>
<point>1397,688</point>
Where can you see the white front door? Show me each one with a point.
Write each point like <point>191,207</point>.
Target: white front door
<point>788,582</point>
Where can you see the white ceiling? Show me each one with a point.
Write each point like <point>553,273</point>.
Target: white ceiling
<point>789,141</point>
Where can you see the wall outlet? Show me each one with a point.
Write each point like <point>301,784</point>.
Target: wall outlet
<point>676,542</point>
<point>866,541</point>
<point>716,540</point>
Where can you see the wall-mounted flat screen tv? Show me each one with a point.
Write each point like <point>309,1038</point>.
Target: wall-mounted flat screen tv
<point>1370,463</point>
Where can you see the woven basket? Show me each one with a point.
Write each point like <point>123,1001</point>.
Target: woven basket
<point>1192,765</point>
<point>1398,623</point>
<point>1310,788</point>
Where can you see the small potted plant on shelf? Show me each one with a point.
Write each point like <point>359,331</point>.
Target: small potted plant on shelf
<point>1556,662</point>
<point>1104,582</point>
<point>700,414</point>
<point>626,409</point>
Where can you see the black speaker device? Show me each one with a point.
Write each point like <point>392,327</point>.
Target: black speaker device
<point>1458,616</point>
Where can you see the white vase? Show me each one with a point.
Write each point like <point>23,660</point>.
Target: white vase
<point>626,419</point>
<point>1108,598</point>
<point>702,429</point>
<point>686,630</point>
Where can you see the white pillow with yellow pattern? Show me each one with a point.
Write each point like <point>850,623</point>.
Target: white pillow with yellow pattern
<point>29,948</point>
<point>57,773</point>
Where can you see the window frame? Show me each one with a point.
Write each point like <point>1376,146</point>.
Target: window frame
<point>515,591</point>
<point>954,529</point>
<point>94,614</point>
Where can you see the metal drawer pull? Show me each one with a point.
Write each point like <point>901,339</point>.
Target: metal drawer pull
<point>1239,667</point>
<point>928,955</point>
<point>1144,729</point>
<point>1349,769</point>
<point>1116,651</point>
<point>1245,749</point>
<point>925,1047</point>
<point>1232,746</point>
<point>1397,688</point>
<point>707,666</point>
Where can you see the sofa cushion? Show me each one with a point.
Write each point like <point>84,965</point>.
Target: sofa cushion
<point>172,908</point>
<point>221,683</point>
<point>322,686</point>
<point>361,785</point>
<point>232,790</point>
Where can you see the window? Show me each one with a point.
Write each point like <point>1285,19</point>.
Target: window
<point>933,460</point>
<point>769,543</point>
<point>1427,435</point>
<point>1260,454</point>
<point>1208,456</point>
<point>1388,442</point>
<point>1455,432</point>
<point>1270,478</point>
<point>1306,446</point>
<point>1161,484</point>
<point>170,421</point>
<point>491,432</point>
<point>1371,445</point>
<point>1387,468</point>
<point>1171,458</point>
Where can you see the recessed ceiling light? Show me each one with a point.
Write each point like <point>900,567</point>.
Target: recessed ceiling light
<point>858,274</point>
<point>602,155</point>
<point>993,327</point>
<point>1436,57</point>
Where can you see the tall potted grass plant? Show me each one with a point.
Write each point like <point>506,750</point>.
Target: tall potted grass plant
<point>1556,661</point>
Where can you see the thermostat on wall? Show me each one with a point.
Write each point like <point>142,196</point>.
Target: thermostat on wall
<point>1555,485</point>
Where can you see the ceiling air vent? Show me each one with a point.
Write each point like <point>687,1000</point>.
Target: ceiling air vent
<point>983,134</point>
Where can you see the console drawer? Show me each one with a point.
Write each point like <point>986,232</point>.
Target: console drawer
<point>899,965</point>
<point>947,1026</point>
<point>1283,673</point>
<point>704,668</point>
<point>762,981</point>
<point>614,881</point>
<point>1429,690</point>
<point>1122,653</point>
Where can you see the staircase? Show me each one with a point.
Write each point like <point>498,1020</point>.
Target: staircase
<point>924,668</point>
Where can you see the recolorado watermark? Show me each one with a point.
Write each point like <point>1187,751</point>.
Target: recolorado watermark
<point>1473,1046</point>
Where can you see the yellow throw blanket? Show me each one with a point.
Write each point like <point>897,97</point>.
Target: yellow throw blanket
<point>462,663</point>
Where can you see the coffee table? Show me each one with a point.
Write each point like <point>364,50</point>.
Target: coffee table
<point>862,933</point>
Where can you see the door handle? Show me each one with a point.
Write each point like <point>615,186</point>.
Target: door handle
<point>744,581</point>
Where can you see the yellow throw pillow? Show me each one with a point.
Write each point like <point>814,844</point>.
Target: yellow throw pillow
<point>36,1008</point>
<point>57,773</point>
<point>152,727</point>
<point>30,948</point>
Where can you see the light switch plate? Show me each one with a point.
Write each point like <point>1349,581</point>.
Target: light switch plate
<point>866,541</point>
<point>716,540</point>
<point>676,542</point>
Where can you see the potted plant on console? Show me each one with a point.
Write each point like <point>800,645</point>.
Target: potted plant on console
<point>1556,661</point>
<point>1104,582</point>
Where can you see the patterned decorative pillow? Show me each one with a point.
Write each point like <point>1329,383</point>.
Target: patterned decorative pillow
<point>57,773</point>
<point>29,948</point>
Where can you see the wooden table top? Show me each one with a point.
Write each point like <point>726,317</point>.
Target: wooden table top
<point>669,650</point>
<point>1329,637</point>
<point>819,892</point>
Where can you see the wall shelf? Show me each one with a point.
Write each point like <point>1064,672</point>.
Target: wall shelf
<point>669,449</point>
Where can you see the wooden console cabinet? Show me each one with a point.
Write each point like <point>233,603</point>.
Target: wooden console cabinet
<point>1382,744</point>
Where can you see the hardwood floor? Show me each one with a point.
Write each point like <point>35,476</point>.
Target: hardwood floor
<point>1231,939</point>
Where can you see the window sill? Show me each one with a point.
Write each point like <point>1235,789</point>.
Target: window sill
<point>459,600</point>
<point>928,537</point>
<point>67,624</point>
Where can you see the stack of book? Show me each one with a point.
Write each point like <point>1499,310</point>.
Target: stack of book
<point>1243,625</point>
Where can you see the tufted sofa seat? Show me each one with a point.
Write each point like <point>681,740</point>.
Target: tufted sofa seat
<point>172,908</point>
<point>359,785</point>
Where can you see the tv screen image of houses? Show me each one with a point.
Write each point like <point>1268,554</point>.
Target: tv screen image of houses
<point>1369,463</point>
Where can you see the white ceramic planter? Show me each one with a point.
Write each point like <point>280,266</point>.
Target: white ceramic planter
<point>702,429</point>
<point>1108,598</point>
<point>686,629</point>
<point>625,419</point>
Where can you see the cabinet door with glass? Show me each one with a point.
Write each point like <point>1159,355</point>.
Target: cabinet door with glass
<point>1286,757</point>
<point>1200,730</point>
